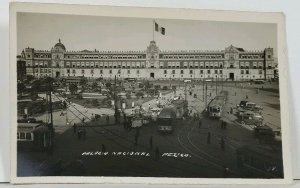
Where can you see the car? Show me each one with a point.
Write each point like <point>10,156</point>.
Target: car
<point>264,132</point>
<point>186,81</point>
<point>250,118</point>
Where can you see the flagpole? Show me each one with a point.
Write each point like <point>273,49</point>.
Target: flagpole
<point>153,29</point>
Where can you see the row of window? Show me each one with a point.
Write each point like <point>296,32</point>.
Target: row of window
<point>24,136</point>
<point>143,64</point>
<point>214,56</point>
<point>162,67</point>
<point>77,56</point>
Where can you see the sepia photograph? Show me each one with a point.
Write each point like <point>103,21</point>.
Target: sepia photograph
<point>128,96</point>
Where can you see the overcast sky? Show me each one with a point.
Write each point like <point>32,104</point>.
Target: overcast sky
<point>42,31</point>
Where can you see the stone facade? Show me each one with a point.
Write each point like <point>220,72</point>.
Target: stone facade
<point>232,63</point>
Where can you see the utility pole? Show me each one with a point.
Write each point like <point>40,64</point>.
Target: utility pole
<point>205,95</point>
<point>185,94</point>
<point>50,108</point>
<point>203,88</point>
<point>115,98</point>
<point>216,85</point>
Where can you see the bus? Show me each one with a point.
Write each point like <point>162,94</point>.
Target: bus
<point>263,161</point>
<point>215,107</point>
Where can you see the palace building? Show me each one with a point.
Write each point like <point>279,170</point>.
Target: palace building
<point>232,63</point>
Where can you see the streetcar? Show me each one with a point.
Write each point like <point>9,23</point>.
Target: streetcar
<point>180,108</point>
<point>166,120</point>
<point>260,161</point>
<point>215,107</point>
<point>34,136</point>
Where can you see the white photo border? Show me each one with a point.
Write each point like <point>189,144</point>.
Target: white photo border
<point>162,13</point>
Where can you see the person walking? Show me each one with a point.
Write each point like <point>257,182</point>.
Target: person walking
<point>222,143</point>
<point>103,149</point>
<point>74,128</point>
<point>225,124</point>
<point>225,172</point>
<point>84,133</point>
<point>208,137</point>
<point>156,154</point>
<point>151,142</point>
<point>200,123</point>
<point>135,140</point>
<point>107,119</point>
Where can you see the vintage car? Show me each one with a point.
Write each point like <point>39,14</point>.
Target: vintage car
<point>250,118</point>
<point>249,106</point>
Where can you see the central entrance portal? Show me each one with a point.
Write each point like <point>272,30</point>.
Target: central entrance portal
<point>231,76</point>
<point>57,74</point>
<point>152,75</point>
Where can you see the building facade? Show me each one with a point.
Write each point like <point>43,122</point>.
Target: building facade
<point>21,68</point>
<point>230,64</point>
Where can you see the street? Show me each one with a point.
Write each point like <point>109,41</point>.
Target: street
<point>201,150</point>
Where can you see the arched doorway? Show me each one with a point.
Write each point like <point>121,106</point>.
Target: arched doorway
<point>152,75</point>
<point>231,76</point>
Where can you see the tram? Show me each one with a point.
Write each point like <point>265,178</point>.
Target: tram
<point>36,136</point>
<point>180,107</point>
<point>260,161</point>
<point>166,120</point>
<point>215,107</point>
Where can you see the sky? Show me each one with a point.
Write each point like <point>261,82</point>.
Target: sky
<point>42,31</point>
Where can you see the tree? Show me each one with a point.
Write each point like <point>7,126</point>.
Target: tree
<point>83,81</point>
<point>95,102</point>
<point>21,87</point>
<point>73,88</point>
<point>108,84</point>
<point>139,94</point>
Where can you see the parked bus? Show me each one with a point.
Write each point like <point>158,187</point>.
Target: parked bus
<point>260,161</point>
<point>215,107</point>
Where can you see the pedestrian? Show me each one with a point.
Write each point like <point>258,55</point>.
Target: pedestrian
<point>247,97</point>
<point>208,138</point>
<point>234,93</point>
<point>156,154</point>
<point>135,140</point>
<point>225,124</point>
<point>125,123</point>
<point>107,119</point>
<point>225,172</point>
<point>231,110</point>
<point>222,143</point>
<point>79,132</point>
<point>103,149</point>
<point>151,142</point>
<point>84,134</point>
<point>138,131</point>
<point>83,119</point>
<point>74,128</point>
<point>200,123</point>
